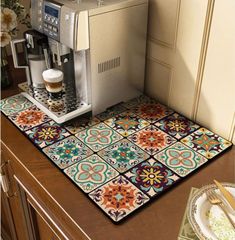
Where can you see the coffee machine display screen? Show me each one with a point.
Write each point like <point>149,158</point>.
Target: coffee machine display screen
<point>51,11</point>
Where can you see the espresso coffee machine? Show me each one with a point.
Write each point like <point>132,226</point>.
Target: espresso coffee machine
<point>99,45</point>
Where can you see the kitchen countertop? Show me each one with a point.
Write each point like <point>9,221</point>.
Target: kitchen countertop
<point>158,220</point>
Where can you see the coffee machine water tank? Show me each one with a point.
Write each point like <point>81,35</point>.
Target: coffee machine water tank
<point>34,44</point>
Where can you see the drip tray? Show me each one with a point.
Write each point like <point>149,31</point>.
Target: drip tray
<point>72,106</point>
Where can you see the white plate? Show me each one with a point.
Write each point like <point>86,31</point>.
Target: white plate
<point>205,218</point>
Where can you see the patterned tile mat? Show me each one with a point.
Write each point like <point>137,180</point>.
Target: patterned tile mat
<point>14,104</point>
<point>123,158</point>
<point>28,118</point>
<point>47,133</point>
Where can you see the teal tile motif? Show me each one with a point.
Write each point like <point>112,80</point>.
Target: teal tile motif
<point>152,177</point>
<point>80,124</point>
<point>180,159</point>
<point>98,136</point>
<point>14,104</point>
<point>206,143</point>
<point>67,152</point>
<point>126,123</point>
<point>47,133</point>
<point>123,155</point>
<point>177,126</point>
<point>118,198</point>
<point>91,173</point>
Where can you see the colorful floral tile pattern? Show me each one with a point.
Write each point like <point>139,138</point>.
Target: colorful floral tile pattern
<point>111,112</point>
<point>206,143</point>
<point>29,118</point>
<point>126,123</point>
<point>152,112</point>
<point>67,152</point>
<point>151,139</point>
<point>98,136</point>
<point>81,123</point>
<point>14,104</point>
<point>151,177</point>
<point>123,155</point>
<point>47,133</point>
<point>118,198</point>
<point>177,126</point>
<point>180,159</point>
<point>91,173</point>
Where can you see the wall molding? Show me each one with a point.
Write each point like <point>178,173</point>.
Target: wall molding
<point>202,58</point>
<point>175,43</point>
<point>164,43</point>
<point>177,23</point>
<point>152,59</point>
<point>159,42</point>
<point>164,64</point>
<point>232,129</point>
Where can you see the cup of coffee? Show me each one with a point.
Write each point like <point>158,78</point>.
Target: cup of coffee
<point>53,79</point>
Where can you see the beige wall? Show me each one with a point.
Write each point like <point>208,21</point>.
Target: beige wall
<point>191,60</point>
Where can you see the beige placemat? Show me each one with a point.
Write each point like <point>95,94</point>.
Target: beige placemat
<point>186,231</point>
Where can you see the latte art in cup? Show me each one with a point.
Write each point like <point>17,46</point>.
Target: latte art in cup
<point>53,79</point>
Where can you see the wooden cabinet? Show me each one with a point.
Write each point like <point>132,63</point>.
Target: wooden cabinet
<point>22,216</point>
<point>13,218</point>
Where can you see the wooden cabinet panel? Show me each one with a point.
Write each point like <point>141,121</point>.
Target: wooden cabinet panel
<point>216,108</point>
<point>179,49</point>
<point>187,55</point>
<point>15,212</point>
<point>163,20</point>
<point>160,87</point>
<point>8,231</point>
<point>42,228</point>
<point>23,218</point>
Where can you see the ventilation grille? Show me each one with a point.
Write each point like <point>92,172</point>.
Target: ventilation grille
<point>108,65</point>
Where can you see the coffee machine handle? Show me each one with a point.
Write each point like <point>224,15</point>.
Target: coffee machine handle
<point>15,56</point>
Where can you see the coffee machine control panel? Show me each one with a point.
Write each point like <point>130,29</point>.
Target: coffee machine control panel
<point>51,20</point>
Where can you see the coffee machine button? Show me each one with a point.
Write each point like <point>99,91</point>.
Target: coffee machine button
<point>55,29</point>
<point>49,26</point>
<point>56,22</point>
<point>52,20</point>
<point>45,25</point>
